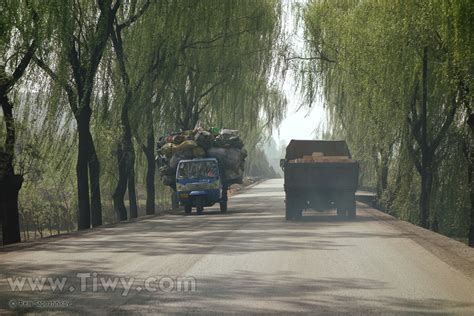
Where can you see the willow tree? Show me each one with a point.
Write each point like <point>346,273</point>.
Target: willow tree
<point>219,45</point>
<point>394,79</point>
<point>18,42</point>
<point>71,58</point>
<point>198,62</point>
<point>125,151</point>
<point>225,63</point>
<point>142,43</point>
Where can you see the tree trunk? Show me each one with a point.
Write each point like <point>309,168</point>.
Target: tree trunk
<point>94,174</point>
<point>426,184</point>
<point>125,160</point>
<point>10,184</point>
<point>174,200</point>
<point>132,194</point>
<point>10,187</point>
<point>382,177</point>
<point>471,194</point>
<point>470,156</point>
<point>82,170</point>
<point>150,172</point>
<point>121,187</point>
<point>426,176</point>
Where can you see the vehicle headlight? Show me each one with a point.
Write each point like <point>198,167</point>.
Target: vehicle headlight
<point>180,187</point>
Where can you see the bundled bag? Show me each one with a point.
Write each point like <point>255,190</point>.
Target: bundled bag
<point>199,152</point>
<point>229,138</point>
<point>204,139</point>
<point>185,145</point>
<point>180,155</point>
<point>229,158</point>
<point>166,170</point>
<point>167,150</point>
<point>169,180</point>
<point>225,145</point>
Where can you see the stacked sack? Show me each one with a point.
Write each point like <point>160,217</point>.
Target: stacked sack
<point>225,145</point>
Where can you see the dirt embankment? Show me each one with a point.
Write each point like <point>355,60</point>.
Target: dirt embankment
<point>457,254</point>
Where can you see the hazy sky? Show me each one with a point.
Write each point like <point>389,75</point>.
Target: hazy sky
<point>298,124</point>
<point>303,123</point>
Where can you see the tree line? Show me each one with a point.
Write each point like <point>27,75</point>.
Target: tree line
<point>86,87</point>
<point>397,79</point>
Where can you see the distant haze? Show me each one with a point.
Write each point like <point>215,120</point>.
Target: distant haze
<point>302,123</point>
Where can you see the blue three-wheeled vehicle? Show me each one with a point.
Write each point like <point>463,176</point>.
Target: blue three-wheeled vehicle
<point>199,184</point>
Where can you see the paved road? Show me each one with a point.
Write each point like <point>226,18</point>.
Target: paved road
<point>247,261</point>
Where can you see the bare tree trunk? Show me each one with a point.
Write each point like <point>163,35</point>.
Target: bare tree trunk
<point>132,194</point>
<point>125,160</point>
<point>121,187</point>
<point>10,183</point>
<point>426,184</point>
<point>382,175</point>
<point>470,157</point>
<point>426,176</point>
<point>471,195</point>
<point>150,172</point>
<point>174,200</point>
<point>82,170</point>
<point>94,177</point>
<point>10,187</point>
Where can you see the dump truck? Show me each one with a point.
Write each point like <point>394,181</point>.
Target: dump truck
<point>319,175</point>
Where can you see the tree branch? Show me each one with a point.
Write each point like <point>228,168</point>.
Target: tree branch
<point>20,69</point>
<point>214,39</point>
<point>132,19</point>
<point>444,128</point>
<point>209,90</point>
<point>320,57</point>
<point>67,88</point>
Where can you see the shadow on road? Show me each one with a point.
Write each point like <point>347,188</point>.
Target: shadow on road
<point>251,226</point>
<point>244,292</point>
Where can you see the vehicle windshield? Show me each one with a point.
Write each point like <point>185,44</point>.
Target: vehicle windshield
<point>197,170</point>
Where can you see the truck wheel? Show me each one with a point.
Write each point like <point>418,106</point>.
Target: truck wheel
<point>297,214</point>
<point>341,212</point>
<point>346,205</point>
<point>188,208</point>
<point>223,206</point>
<point>288,215</point>
<point>291,209</point>
<point>351,211</point>
<point>199,205</point>
<point>288,210</point>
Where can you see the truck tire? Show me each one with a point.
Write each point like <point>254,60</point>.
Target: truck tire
<point>288,215</point>
<point>188,209</point>
<point>351,211</point>
<point>341,211</point>
<point>199,205</point>
<point>297,214</point>
<point>346,205</point>
<point>288,208</point>
<point>292,212</point>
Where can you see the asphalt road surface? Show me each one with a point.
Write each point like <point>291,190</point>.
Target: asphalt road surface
<point>249,260</point>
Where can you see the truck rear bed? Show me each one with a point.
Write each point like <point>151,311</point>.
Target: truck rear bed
<point>321,175</point>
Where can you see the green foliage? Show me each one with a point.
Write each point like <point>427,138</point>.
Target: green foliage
<point>188,62</point>
<point>366,60</point>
